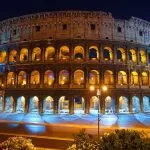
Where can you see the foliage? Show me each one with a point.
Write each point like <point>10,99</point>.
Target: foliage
<point>118,140</point>
<point>17,143</point>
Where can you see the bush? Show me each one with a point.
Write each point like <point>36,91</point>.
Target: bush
<point>118,140</point>
<point>17,143</point>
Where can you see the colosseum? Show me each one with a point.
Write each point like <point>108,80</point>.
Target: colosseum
<point>49,61</point>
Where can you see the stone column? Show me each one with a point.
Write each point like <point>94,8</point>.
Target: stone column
<point>102,104</point>
<point>40,104</point>
<point>71,105</point>
<point>130,103</point>
<point>56,100</point>
<point>27,102</point>
<point>14,103</point>
<point>141,103</point>
<point>117,103</point>
<point>87,104</point>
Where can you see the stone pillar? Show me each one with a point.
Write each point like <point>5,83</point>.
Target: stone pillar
<point>102,104</point>
<point>87,105</point>
<point>117,103</point>
<point>141,103</point>
<point>40,104</point>
<point>71,105</point>
<point>14,103</point>
<point>3,103</point>
<point>41,78</point>
<point>130,103</point>
<point>27,102</point>
<point>56,100</point>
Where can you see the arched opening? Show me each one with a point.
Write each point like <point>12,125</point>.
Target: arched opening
<point>34,104</point>
<point>36,54</point>
<point>78,52</point>
<point>63,105</point>
<point>144,78</point>
<point>146,104</point>
<point>79,105</point>
<point>109,105</point>
<point>122,78</point>
<point>135,104</point>
<point>48,77</point>
<point>93,53</point>
<point>22,78</point>
<point>132,55</point>
<point>123,105</point>
<point>1,103</point>
<point>134,78</point>
<point>78,77</point>
<point>94,77</point>
<point>142,56</point>
<point>35,78</point>
<point>63,77</point>
<point>24,55</point>
<point>10,78</point>
<point>94,105</point>
<point>20,104</point>
<point>13,56</point>
<point>48,105</point>
<point>64,53</point>
<point>3,55</point>
<point>107,54</point>
<point>121,56</point>
<point>108,77</point>
<point>50,53</point>
<point>9,101</point>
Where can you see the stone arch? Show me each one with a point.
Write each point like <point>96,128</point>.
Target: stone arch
<point>123,105</point>
<point>146,103</point>
<point>109,105</point>
<point>93,53</point>
<point>24,55</point>
<point>135,104</point>
<point>20,104</point>
<point>79,52</point>
<point>63,77</point>
<point>93,77</point>
<point>121,55</point>
<point>142,56</point>
<point>34,104</point>
<point>79,105</point>
<point>36,54</point>
<point>63,106</point>
<point>94,105</point>
<point>9,104</point>
<point>48,105</point>
<point>107,54</point>
<point>22,78</point>
<point>132,55</point>
<point>122,78</point>
<point>108,77</point>
<point>64,53</point>
<point>35,77</point>
<point>50,53</point>
<point>13,56</point>
<point>78,77</point>
<point>48,77</point>
<point>134,78</point>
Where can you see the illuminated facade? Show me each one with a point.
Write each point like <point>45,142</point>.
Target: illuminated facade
<point>48,61</point>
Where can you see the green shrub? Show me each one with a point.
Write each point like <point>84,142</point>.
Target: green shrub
<point>17,143</point>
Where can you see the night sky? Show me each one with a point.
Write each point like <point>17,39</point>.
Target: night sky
<point>122,9</point>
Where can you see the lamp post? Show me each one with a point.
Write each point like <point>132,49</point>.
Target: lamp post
<point>98,93</point>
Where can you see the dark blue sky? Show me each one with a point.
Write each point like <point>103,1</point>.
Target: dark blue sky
<point>119,8</point>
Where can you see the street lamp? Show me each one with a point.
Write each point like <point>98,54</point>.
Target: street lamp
<point>98,93</point>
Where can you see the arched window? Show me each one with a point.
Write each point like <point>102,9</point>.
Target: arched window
<point>122,78</point>
<point>134,78</point>
<point>78,77</point>
<point>63,105</point>
<point>34,104</point>
<point>108,77</point>
<point>9,104</point>
<point>94,77</point>
<point>48,105</point>
<point>142,57</point>
<point>132,55</point>
<point>36,54</point>
<point>35,77</point>
<point>23,54</point>
<point>3,55</point>
<point>93,53</point>
<point>107,53</point>
<point>20,104</point>
<point>64,52</point>
<point>79,52</point>
<point>22,78</point>
<point>63,77</point>
<point>79,105</point>
<point>49,77</point>
<point>50,53</point>
<point>123,104</point>
<point>10,78</point>
<point>144,78</point>
<point>121,56</point>
<point>13,56</point>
